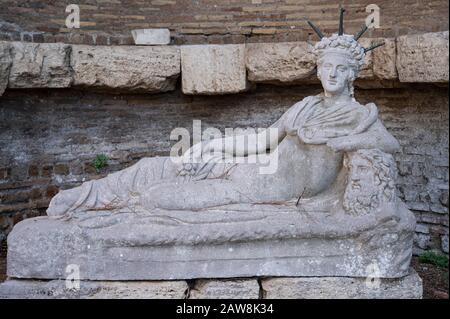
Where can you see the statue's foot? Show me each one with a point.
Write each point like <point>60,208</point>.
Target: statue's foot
<point>63,202</point>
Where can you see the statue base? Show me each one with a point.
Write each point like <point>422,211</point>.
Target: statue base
<point>228,242</point>
<point>408,287</point>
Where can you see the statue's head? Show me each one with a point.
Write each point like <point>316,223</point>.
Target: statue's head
<point>371,181</point>
<point>339,58</point>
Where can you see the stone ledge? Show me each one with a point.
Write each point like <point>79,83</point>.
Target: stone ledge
<point>408,287</point>
<point>211,69</point>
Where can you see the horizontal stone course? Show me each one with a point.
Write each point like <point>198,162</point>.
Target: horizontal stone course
<point>408,287</point>
<point>211,69</point>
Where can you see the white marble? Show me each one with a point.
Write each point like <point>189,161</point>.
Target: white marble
<point>151,36</point>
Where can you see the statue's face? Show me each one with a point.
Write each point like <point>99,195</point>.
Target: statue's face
<point>334,73</point>
<point>362,178</point>
<point>360,196</point>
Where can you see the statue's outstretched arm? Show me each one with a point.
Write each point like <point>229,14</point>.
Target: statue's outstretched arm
<point>376,137</point>
<point>248,144</point>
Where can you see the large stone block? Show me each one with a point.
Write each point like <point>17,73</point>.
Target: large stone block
<point>287,63</point>
<point>225,289</point>
<point>57,289</point>
<point>379,64</point>
<point>384,59</point>
<point>213,69</point>
<point>5,65</point>
<point>423,57</point>
<point>279,62</point>
<point>408,287</point>
<point>40,65</point>
<point>126,68</point>
<point>212,244</point>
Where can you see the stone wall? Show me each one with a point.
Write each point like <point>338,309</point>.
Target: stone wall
<point>109,22</point>
<point>49,138</point>
<point>212,69</point>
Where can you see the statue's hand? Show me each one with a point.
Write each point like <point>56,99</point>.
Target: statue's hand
<point>192,160</point>
<point>342,144</point>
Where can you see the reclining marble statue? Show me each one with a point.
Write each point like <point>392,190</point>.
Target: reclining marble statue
<point>329,209</point>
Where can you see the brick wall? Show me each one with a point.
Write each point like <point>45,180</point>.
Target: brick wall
<point>49,138</point>
<point>207,21</point>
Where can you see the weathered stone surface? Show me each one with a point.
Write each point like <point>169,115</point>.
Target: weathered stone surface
<point>151,36</point>
<point>173,244</point>
<point>408,287</point>
<point>5,65</point>
<point>225,289</point>
<point>294,61</point>
<point>213,69</point>
<point>379,63</point>
<point>423,58</point>
<point>384,59</point>
<point>126,68</point>
<point>279,62</point>
<point>56,289</point>
<point>40,65</point>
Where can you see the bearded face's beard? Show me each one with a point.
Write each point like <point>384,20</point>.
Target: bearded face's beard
<point>356,203</point>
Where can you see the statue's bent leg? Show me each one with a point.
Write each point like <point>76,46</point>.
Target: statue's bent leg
<point>115,190</point>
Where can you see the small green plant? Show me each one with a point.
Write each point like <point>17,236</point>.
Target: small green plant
<point>100,162</point>
<point>430,257</point>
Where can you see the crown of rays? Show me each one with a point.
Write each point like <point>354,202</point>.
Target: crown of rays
<point>341,31</point>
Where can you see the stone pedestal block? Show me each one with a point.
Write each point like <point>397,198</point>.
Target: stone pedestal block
<point>408,287</point>
<point>57,289</point>
<point>225,289</point>
<point>169,245</point>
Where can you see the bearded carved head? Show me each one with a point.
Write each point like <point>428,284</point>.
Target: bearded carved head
<point>371,181</point>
